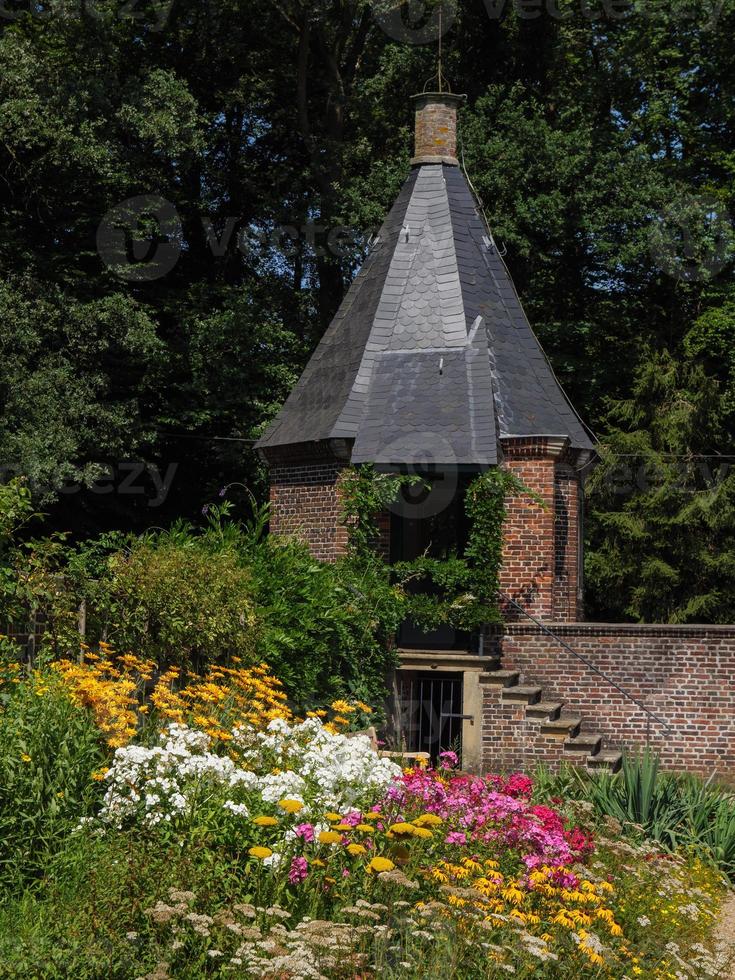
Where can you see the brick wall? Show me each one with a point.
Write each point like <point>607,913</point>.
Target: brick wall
<point>685,674</point>
<point>436,127</point>
<point>567,598</point>
<point>304,498</point>
<point>542,543</point>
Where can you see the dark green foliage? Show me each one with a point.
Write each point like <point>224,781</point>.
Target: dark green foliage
<point>196,595</point>
<point>600,140</point>
<point>663,501</point>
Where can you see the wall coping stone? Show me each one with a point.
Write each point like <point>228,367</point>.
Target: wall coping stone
<point>683,630</point>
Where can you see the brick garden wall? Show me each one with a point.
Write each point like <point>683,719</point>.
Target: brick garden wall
<point>685,674</point>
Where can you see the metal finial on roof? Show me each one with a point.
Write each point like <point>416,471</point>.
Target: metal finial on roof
<point>442,85</point>
<point>439,60</point>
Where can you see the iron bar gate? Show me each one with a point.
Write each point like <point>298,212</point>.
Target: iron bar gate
<point>430,706</point>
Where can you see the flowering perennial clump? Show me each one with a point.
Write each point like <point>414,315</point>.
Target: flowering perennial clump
<point>285,766</point>
<point>111,687</point>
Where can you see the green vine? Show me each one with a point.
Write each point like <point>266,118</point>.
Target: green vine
<point>461,592</point>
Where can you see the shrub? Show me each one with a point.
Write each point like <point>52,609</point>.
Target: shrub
<point>170,602</point>
<point>192,597</point>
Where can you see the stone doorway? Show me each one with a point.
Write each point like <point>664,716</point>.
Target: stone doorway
<point>430,707</point>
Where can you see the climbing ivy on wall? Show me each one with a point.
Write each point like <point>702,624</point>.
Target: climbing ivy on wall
<point>458,590</point>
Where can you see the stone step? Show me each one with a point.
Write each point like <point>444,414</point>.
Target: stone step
<point>522,693</point>
<point>565,726</point>
<point>607,759</point>
<point>500,678</point>
<point>545,709</point>
<point>586,743</point>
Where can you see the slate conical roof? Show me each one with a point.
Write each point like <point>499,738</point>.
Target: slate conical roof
<point>430,351</point>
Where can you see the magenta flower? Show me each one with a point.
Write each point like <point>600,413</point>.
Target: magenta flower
<point>305,830</point>
<point>448,760</point>
<point>495,810</point>
<point>299,870</point>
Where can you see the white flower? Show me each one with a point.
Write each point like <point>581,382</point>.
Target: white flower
<point>311,764</point>
<point>237,808</point>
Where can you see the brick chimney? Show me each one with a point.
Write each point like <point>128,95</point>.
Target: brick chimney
<point>436,127</point>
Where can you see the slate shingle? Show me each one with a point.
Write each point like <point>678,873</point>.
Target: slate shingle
<point>375,375</point>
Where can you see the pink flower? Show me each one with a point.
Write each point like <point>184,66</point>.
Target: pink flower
<point>448,760</point>
<point>456,837</point>
<point>304,830</point>
<point>299,870</point>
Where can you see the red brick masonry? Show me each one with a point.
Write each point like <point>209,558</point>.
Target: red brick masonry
<point>685,674</point>
<point>542,539</point>
<point>305,502</point>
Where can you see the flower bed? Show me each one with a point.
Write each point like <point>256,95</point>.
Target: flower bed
<point>367,863</point>
<point>282,848</point>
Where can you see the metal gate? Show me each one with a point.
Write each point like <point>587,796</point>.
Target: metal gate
<point>430,707</point>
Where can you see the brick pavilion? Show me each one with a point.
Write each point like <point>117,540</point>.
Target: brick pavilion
<point>430,365</point>
<point>431,358</point>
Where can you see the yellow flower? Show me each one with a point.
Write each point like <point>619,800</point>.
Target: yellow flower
<point>291,806</point>
<point>25,757</point>
<point>332,817</point>
<point>342,707</point>
<point>422,832</point>
<point>427,820</point>
<point>329,837</point>
<point>99,774</point>
<point>380,864</point>
<point>260,852</point>
<point>401,830</point>
<point>512,894</point>
<point>356,850</point>
<point>342,826</point>
<point>373,815</point>
<point>265,821</point>
<point>365,828</point>
<point>340,720</point>
<point>592,956</point>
